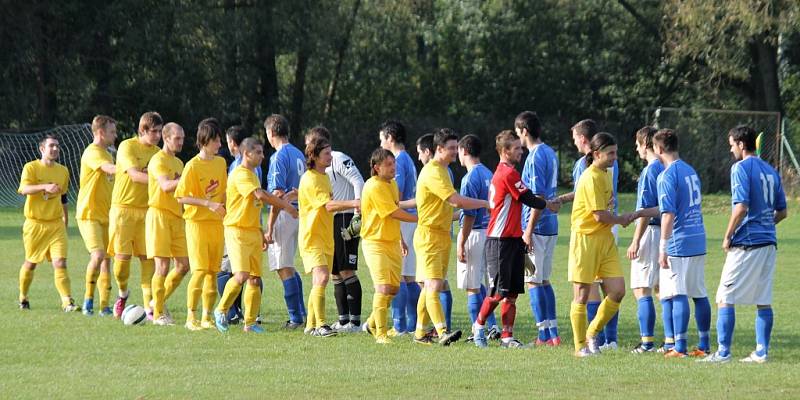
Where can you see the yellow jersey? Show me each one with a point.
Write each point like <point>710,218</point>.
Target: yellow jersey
<point>243,208</point>
<point>592,194</point>
<point>44,206</point>
<point>203,179</point>
<point>379,199</point>
<point>163,164</point>
<point>316,223</point>
<point>94,195</point>
<point>131,154</point>
<point>433,189</point>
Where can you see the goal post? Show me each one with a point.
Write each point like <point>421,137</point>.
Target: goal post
<point>17,148</point>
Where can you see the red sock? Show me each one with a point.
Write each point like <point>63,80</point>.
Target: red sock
<point>508,311</point>
<point>488,306</point>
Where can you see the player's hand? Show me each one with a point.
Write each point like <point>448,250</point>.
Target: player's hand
<point>357,205</point>
<point>461,254</point>
<point>528,239</point>
<point>726,244</point>
<point>403,248</point>
<point>268,236</point>
<point>662,260</point>
<point>264,242</point>
<point>633,250</point>
<point>52,188</point>
<point>290,195</point>
<point>218,208</point>
<point>292,211</point>
<point>627,219</point>
<point>554,205</point>
<point>611,203</point>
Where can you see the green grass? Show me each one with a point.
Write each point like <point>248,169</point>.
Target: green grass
<point>47,354</point>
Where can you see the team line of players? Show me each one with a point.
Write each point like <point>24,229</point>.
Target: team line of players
<point>509,227</point>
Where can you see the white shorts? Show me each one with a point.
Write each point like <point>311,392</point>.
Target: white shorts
<point>685,276</point>
<point>472,274</point>
<point>542,258</point>
<point>747,276</point>
<point>615,231</point>
<point>284,235</point>
<point>409,261</point>
<point>645,268</point>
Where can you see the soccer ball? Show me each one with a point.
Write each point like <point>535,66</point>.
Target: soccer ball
<point>133,315</point>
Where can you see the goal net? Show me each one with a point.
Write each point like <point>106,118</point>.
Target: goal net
<point>17,148</point>
<point>703,135</point>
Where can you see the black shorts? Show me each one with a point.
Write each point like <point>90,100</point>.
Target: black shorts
<point>506,256</point>
<point>345,253</point>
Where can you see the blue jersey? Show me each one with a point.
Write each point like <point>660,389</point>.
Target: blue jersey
<point>581,166</point>
<point>647,189</point>
<point>286,166</point>
<point>540,174</point>
<point>406,177</point>
<point>476,184</point>
<point>679,194</point>
<point>755,184</point>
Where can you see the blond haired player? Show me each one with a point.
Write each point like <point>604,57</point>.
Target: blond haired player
<point>166,234</point>
<point>382,241</point>
<point>44,182</point>
<point>244,238</point>
<point>202,191</point>
<point>94,201</point>
<point>128,208</point>
<point>315,196</point>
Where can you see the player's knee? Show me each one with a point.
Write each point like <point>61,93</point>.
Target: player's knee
<point>253,280</point>
<point>29,265</point>
<point>60,263</point>
<point>241,277</point>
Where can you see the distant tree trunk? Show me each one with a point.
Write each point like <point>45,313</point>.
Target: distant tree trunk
<point>767,65</point>
<point>299,89</point>
<point>231,77</point>
<point>99,67</point>
<point>340,53</point>
<point>265,62</point>
<point>45,82</point>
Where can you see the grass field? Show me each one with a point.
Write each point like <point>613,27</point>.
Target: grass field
<point>48,354</point>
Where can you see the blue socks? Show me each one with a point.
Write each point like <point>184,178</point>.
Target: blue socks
<point>446,297</point>
<point>726,320</point>
<point>399,308</point>
<point>763,330</point>
<point>647,319</point>
<point>411,305</point>
<point>474,302</point>
<point>591,312</point>
<point>666,317</point>
<point>290,295</point>
<point>539,307</point>
<point>550,311</point>
<point>680,321</point>
<point>610,329</point>
<point>300,302</point>
<point>702,316</point>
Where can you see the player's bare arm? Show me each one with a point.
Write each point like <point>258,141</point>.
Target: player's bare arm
<point>275,202</point>
<point>403,215</point>
<point>168,185</point>
<point>466,203</point>
<point>340,205</point>
<point>218,208</point>
<point>463,234</point>
<point>49,188</point>
<point>137,175</point>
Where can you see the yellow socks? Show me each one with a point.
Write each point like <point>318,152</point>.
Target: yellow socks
<point>252,303</point>
<point>25,279</point>
<point>605,312</point>
<point>232,289</point>
<point>380,312</point>
<point>422,315</point>
<point>209,294</point>
<point>148,268</point>
<point>577,315</point>
<point>122,271</point>
<point>435,310</point>
<point>104,288</point>
<point>193,292</point>
<point>62,285</point>
<point>174,279</point>
<point>316,301</point>
<point>157,285</point>
<point>91,281</point>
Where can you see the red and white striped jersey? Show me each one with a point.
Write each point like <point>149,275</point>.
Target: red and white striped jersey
<point>506,207</point>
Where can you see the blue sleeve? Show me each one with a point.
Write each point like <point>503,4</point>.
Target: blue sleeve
<point>400,176</point>
<point>260,176</point>
<point>278,174</point>
<point>780,196</point>
<point>470,188</point>
<point>576,174</point>
<point>650,189</point>
<point>740,185</point>
<point>615,177</point>
<point>666,194</point>
<point>540,178</point>
<point>450,172</point>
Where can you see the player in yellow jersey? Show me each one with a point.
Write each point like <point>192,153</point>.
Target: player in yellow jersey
<point>592,248</point>
<point>382,242</point>
<point>164,227</point>
<point>126,227</point>
<point>435,200</point>
<point>202,191</point>
<point>315,196</point>
<point>94,201</point>
<point>44,182</point>
<point>244,238</point>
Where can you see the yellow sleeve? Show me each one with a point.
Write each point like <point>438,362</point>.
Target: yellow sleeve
<point>440,184</point>
<point>596,198</point>
<point>187,185</point>
<point>94,159</point>
<point>28,177</point>
<point>126,159</point>
<point>383,203</point>
<point>158,167</point>
<point>65,187</point>
<point>319,197</point>
<point>244,184</point>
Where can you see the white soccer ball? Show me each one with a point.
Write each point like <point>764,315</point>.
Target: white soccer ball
<point>133,315</point>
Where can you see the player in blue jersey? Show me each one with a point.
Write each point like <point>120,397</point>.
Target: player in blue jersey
<point>392,135</point>
<point>540,174</point>
<point>582,134</point>
<point>471,272</point>
<point>286,166</point>
<point>643,250</point>
<point>759,203</point>
<point>682,247</point>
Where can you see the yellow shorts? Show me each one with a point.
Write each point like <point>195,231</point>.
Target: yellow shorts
<point>593,257</point>
<point>384,260</point>
<point>315,258</point>
<point>94,234</point>
<point>166,234</point>
<point>244,249</point>
<point>126,231</point>
<point>205,241</point>
<point>433,253</point>
<point>44,240</point>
